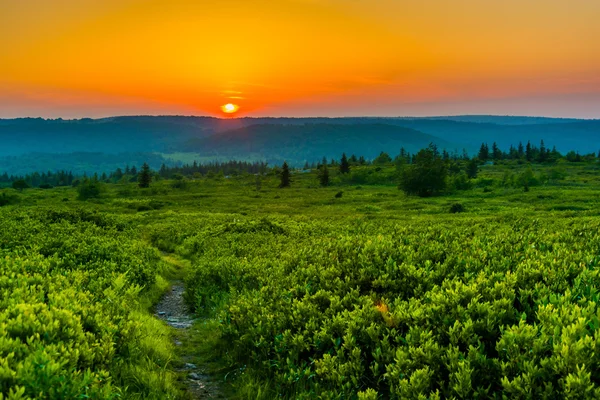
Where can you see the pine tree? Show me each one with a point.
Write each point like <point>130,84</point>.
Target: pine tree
<point>471,168</point>
<point>344,165</point>
<point>324,175</point>
<point>145,176</point>
<point>520,150</point>
<point>163,171</point>
<point>543,153</point>
<point>285,176</point>
<point>528,152</point>
<point>484,152</point>
<point>496,153</point>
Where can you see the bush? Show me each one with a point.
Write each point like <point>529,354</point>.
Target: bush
<point>8,199</point>
<point>179,182</point>
<point>457,208</point>
<point>426,177</point>
<point>338,195</point>
<point>20,185</point>
<point>45,186</point>
<point>90,189</point>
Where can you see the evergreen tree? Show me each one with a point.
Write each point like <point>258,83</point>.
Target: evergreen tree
<point>145,176</point>
<point>496,153</point>
<point>344,165</point>
<point>471,168</point>
<point>285,176</point>
<point>543,154</point>
<point>528,151</point>
<point>521,150</point>
<point>383,158</point>
<point>484,152</point>
<point>361,160</point>
<point>324,175</point>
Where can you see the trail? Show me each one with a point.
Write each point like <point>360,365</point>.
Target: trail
<point>192,366</point>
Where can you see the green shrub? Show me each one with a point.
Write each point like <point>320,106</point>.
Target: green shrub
<point>457,208</point>
<point>90,189</point>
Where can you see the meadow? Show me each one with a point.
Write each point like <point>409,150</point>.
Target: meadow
<point>350,291</point>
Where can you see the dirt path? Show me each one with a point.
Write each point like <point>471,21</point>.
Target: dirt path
<point>193,370</point>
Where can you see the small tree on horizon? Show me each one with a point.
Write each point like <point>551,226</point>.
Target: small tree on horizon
<point>285,176</point>
<point>145,176</point>
<point>344,164</point>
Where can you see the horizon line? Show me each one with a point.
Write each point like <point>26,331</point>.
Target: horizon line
<point>303,117</point>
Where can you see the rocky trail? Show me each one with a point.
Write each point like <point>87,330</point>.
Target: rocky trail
<point>193,369</point>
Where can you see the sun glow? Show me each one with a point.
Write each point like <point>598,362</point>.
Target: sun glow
<point>229,108</point>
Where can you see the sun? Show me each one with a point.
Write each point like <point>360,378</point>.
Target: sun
<point>229,108</point>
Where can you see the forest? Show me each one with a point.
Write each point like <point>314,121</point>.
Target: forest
<point>426,274</point>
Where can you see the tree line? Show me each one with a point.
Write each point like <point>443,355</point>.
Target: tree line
<point>422,173</point>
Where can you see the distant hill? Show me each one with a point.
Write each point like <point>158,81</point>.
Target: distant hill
<point>27,144</point>
<point>107,135</point>
<point>503,120</point>
<point>311,141</point>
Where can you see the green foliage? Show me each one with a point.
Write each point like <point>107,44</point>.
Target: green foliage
<point>323,175</point>
<point>434,309</point>
<point>90,189</point>
<point>457,208</point>
<point>344,164</point>
<point>472,168</point>
<point>8,199</point>
<point>382,159</point>
<point>20,185</point>
<point>376,296</point>
<point>179,182</point>
<point>426,177</point>
<point>285,176</point>
<point>145,176</point>
<point>69,326</point>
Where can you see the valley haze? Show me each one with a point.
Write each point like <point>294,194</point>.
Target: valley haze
<point>101,145</point>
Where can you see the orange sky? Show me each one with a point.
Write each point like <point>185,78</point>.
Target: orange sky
<point>75,58</point>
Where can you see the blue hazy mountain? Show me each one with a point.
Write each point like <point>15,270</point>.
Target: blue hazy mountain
<point>27,144</point>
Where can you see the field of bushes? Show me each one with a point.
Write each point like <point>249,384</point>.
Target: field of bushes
<point>353,291</point>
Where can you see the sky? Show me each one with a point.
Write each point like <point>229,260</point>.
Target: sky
<point>96,58</point>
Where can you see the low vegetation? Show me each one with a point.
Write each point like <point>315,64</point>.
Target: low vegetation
<point>478,289</point>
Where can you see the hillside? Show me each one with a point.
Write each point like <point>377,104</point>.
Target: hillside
<point>297,143</point>
<point>28,144</point>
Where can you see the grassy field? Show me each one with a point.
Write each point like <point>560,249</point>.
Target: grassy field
<point>352,291</point>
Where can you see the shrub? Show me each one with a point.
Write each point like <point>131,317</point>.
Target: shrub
<point>90,189</point>
<point>426,177</point>
<point>8,199</point>
<point>338,195</point>
<point>20,185</point>
<point>457,208</point>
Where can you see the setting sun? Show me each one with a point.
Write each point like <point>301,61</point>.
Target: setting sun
<point>229,108</point>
